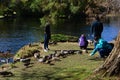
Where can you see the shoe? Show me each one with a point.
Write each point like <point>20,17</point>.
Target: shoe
<point>45,50</point>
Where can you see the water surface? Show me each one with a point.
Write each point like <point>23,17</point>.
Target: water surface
<point>15,33</point>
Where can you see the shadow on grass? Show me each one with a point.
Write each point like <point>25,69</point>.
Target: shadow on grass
<point>90,48</point>
<point>97,59</point>
<point>56,74</point>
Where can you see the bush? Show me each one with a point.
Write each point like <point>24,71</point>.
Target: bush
<point>63,38</point>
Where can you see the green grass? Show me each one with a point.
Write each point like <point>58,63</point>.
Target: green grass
<point>73,67</point>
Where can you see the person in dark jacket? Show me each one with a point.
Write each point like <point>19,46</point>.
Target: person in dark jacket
<point>47,36</point>
<point>97,27</point>
<point>83,43</point>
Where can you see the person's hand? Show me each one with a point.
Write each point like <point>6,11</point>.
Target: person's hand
<point>90,54</point>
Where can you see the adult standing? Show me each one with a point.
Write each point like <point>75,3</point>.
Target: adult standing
<point>47,36</point>
<point>97,27</point>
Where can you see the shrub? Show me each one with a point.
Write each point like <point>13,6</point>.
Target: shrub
<point>63,38</point>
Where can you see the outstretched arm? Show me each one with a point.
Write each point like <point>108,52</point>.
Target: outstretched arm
<point>93,52</point>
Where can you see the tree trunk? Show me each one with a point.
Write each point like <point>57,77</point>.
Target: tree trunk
<point>111,66</point>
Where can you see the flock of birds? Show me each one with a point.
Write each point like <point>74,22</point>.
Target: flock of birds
<point>6,55</point>
<point>47,59</point>
<point>55,56</point>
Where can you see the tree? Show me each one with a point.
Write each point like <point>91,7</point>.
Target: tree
<point>111,66</point>
<point>114,5</point>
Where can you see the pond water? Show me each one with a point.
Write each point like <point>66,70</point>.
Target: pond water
<point>15,33</point>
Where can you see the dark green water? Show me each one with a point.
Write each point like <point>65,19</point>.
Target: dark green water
<point>15,33</point>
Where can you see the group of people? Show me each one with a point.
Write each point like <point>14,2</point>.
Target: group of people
<point>100,45</point>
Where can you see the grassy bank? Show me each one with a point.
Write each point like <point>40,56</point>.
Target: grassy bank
<point>73,67</point>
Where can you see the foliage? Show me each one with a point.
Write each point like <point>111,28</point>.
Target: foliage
<point>74,9</point>
<point>51,10</point>
<point>43,20</point>
<point>36,5</point>
<point>63,38</point>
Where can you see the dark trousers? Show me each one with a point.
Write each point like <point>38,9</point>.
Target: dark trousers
<point>96,36</point>
<point>104,53</point>
<point>83,47</point>
<point>46,41</point>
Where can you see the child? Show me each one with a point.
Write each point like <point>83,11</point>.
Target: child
<point>83,43</point>
<point>103,47</point>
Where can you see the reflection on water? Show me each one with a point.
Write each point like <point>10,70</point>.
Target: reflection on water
<point>16,33</point>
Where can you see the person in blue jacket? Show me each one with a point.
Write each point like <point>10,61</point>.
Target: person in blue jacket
<point>103,47</point>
